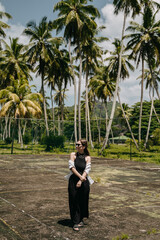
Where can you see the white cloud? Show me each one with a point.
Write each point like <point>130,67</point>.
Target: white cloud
<point>16,31</point>
<point>130,88</point>
<point>2,8</point>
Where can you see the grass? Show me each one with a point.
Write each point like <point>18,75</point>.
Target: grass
<point>115,151</point>
<point>8,231</point>
<point>122,237</point>
<point>153,231</point>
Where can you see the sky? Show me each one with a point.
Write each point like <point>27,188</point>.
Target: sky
<point>23,11</point>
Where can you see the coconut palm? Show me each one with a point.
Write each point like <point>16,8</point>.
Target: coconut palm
<point>127,6</point>
<point>59,98</point>
<point>152,84</point>
<point>18,101</point>
<point>91,55</point>
<point>77,19</point>
<point>13,64</point>
<point>3,25</point>
<point>40,50</point>
<point>145,44</point>
<point>60,75</point>
<point>103,86</point>
<point>125,67</point>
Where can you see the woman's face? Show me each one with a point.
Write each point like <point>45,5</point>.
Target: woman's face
<point>79,146</point>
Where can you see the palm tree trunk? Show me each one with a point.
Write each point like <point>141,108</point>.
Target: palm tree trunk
<point>20,139</point>
<point>86,110</point>
<point>150,118</point>
<point>99,132</point>
<point>112,136</point>
<point>141,103</point>
<point>5,134</point>
<point>156,114</point>
<point>24,128</point>
<point>129,127</point>
<point>116,90</point>
<point>79,92</point>
<point>44,105</point>
<point>62,112</point>
<point>45,115</point>
<point>1,130</point>
<point>75,93</point>
<point>53,118</point>
<point>59,124</point>
<point>9,127</point>
<point>157,93</point>
<point>89,128</point>
<point>106,111</point>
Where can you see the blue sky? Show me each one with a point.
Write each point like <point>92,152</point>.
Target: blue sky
<point>24,11</point>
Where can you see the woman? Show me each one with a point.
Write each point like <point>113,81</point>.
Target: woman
<point>78,187</point>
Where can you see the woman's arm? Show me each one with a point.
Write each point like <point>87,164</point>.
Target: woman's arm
<point>73,169</point>
<point>88,162</point>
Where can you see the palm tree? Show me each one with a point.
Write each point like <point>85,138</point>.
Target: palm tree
<point>40,50</point>
<point>103,86</point>
<point>18,101</point>
<point>113,69</point>
<point>77,19</point>
<point>14,64</point>
<point>3,25</point>
<point>91,55</point>
<point>60,75</point>
<point>59,98</point>
<point>152,84</point>
<point>127,6</point>
<point>145,46</point>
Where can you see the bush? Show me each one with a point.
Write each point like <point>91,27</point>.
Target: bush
<point>8,140</point>
<point>156,136</point>
<point>27,138</point>
<point>53,141</point>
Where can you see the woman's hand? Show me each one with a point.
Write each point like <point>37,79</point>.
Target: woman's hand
<point>82,178</point>
<point>79,183</point>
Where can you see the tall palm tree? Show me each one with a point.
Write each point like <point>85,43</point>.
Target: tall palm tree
<point>77,19</point>
<point>59,98</point>
<point>145,45</point>
<point>91,58</point>
<point>60,74</point>
<point>103,86</point>
<point>3,25</point>
<point>18,101</point>
<point>40,50</point>
<point>125,67</point>
<point>14,63</point>
<point>127,6</point>
<point>151,83</point>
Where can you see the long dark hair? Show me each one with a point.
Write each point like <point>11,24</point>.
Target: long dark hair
<point>84,143</point>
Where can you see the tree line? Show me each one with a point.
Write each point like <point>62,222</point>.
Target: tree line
<point>60,61</point>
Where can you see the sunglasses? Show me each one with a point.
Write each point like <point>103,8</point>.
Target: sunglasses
<point>78,144</point>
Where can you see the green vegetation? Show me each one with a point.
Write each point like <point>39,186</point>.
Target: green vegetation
<point>122,237</point>
<point>153,231</point>
<point>115,151</point>
<point>53,141</point>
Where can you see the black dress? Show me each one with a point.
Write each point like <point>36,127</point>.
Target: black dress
<point>78,197</point>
